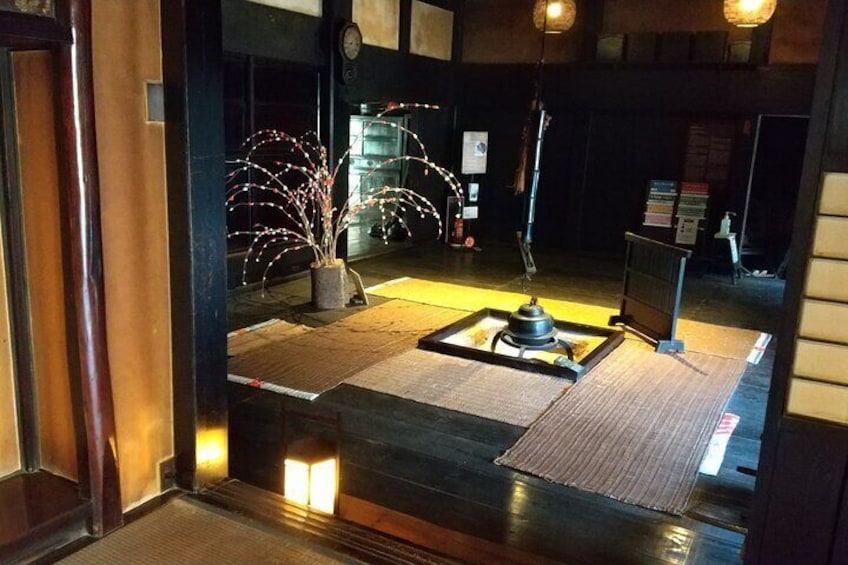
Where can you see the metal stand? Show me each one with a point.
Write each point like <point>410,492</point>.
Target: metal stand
<point>526,239</point>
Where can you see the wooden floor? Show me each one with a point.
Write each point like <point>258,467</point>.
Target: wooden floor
<point>432,465</point>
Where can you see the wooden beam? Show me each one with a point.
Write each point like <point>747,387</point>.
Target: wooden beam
<point>81,192</point>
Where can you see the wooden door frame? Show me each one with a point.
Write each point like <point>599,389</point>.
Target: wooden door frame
<point>68,37</point>
<point>11,223</point>
<point>799,506</point>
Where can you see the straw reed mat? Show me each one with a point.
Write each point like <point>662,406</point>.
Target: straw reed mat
<point>322,358</point>
<point>635,428</point>
<point>186,532</point>
<point>481,389</point>
<point>248,339</point>
<point>723,341</point>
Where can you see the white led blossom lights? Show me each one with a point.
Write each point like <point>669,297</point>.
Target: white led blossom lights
<point>304,207</point>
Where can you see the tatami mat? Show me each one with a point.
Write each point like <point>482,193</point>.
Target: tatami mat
<point>188,533</point>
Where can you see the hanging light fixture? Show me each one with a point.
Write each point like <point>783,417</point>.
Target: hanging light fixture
<point>554,16</point>
<point>749,13</point>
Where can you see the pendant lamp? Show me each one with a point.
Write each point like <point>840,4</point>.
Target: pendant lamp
<point>749,13</point>
<point>554,16</point>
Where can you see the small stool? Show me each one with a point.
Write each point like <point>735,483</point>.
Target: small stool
<point>733,250</point>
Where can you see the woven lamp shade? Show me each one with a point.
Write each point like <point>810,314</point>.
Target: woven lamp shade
<point>749,13</point>
<point>560,15</point>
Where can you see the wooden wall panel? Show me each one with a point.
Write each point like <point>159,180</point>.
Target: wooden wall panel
<point>10,450</point>
<point>818,400</point>
<point>43,226</point>
<point>431,34</point>
<point>828,279</point>
<point>379,21</point>
<point>823,361</point>
<point>659,16</point>
<point>830,238</point>
<point>824,320</point>
<point>308,7</point>
<point>797,33</point>
<point>502,31</point>
<point>805,504</point>
<point>834,197</point>
<point>131,154</point>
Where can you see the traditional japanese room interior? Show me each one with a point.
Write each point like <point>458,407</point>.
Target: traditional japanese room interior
<point>424,281</point>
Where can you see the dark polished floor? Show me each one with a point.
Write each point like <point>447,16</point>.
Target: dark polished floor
<point>436,465</point>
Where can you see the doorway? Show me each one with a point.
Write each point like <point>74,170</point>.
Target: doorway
<point>768,217</point>
<point>42,475</point>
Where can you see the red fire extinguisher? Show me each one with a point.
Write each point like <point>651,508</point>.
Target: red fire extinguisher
<point>456,234</point>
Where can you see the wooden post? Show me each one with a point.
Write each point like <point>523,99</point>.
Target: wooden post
<point>192,61</point>
<point>81,188</point>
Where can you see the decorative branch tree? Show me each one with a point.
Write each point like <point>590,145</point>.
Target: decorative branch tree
<point>299,192</point>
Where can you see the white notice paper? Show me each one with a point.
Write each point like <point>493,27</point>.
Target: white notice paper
<point>687,230</point>
<point>475,151</point>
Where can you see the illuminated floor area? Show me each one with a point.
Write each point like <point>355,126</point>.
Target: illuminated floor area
<point>426,474</point>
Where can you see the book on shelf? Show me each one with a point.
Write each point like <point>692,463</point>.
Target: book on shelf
<point>695,188</point>
<point>657,220</point>
<point>660,203</point>
<point>657,185</point>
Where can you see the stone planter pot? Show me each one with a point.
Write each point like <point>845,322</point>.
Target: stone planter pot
<point>329,286</point>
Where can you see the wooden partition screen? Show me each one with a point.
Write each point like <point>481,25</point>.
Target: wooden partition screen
<point>653,282</point>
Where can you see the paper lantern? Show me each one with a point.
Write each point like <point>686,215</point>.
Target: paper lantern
<point>749,13</point>
<point>310,474</point>
<point>554,16</point>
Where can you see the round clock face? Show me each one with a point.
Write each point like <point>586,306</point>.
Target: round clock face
<point>351,41</point>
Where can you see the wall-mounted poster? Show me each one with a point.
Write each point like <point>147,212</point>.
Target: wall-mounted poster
<point>379,21</point>
<point>475,152</point>
<point>308,7</point>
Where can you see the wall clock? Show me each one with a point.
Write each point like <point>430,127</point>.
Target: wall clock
<point>350,41</point>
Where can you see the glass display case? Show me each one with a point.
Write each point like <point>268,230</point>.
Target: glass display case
<point>371,145</point>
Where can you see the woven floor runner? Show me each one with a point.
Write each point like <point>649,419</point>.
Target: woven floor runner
<point>481,389</point>
<point>634,429</point>
<point>254,337</point>
<point>735,343</point>
<point>316,361</point>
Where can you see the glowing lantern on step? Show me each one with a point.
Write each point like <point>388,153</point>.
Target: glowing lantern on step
<point>554,16</point>
<point>749,13</point>
<point>310,474</point>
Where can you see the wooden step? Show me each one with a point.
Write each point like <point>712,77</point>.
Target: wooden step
<point>330,531</point>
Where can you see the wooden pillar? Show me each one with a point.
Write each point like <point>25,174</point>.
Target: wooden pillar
<point>81,192</point>
<point>192,56</point>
